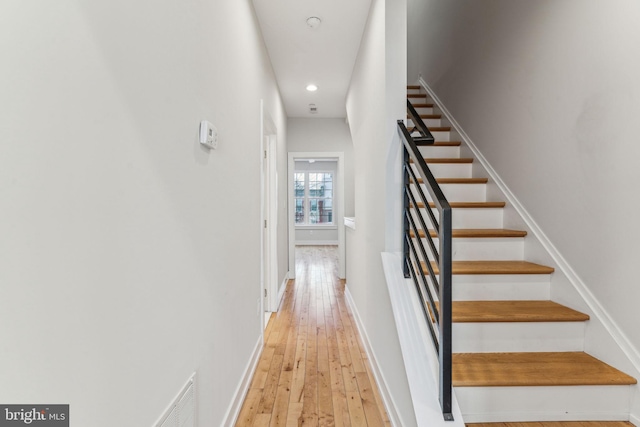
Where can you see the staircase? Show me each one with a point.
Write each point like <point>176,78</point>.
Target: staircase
<point>517,356</point>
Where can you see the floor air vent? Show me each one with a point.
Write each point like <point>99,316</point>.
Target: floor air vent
<point>182,412</point>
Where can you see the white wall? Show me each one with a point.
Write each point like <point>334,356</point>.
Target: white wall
<point>129,255</point>
<point>549,93</point>
<point>325,135</point>
<point>319,234</point>
<point>377,89</point>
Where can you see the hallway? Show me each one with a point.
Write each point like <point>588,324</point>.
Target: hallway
<point>313,369</point>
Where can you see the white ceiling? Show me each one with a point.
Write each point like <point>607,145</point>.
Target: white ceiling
<point>302,55</point>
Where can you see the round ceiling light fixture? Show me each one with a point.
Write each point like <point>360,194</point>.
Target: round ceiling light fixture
<point>312,88</point>
<point>314,22</point>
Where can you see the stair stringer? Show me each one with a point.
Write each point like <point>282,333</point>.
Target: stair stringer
<point>603,338</point>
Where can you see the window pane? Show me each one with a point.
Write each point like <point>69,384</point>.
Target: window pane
<point>313,188</point>
<point>325,211</point>
<point>313,211</point>
<point>313,194</point>
<point>299,211</point>
<point>298,184</point>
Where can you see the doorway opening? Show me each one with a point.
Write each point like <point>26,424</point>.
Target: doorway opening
<point>268,217</point>
<point>316,204</point>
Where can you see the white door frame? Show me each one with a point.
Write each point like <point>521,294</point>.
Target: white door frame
<point>328,155</point>
<point>268,213</point>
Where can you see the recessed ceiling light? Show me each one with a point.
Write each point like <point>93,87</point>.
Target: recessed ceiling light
<point>314,22</point>
<point>312,88</point>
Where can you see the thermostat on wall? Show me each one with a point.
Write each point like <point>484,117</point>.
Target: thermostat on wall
<point>208,134</point>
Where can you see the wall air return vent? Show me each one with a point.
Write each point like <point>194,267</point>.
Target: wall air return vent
<point>182,411</point>
<point>313,109</point>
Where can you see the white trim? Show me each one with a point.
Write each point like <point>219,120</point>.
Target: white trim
<point>350,221</point>
<point>273,222</point>
<point>282,288</point>
<point>634,420</point>
<point>316,227</point>
<point>317,243</point>
<point>231,416</point>
<point>630,351</point>
<point>307,198</point>
<point>420,359</point>
<point>268,131</point>
<point>338,196</point>
<point>390,405</point>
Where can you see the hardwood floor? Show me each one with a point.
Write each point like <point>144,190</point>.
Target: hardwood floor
<point>313,370</point>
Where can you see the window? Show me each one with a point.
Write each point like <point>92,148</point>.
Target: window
<point>313,197</point>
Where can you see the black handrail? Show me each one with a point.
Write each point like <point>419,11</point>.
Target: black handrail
<point>425,138</point>
<point>419,262</point>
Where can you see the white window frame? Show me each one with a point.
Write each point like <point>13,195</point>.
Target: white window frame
<point>307,200</point>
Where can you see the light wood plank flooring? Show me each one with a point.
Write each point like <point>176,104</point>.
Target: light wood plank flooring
<point>313,370</point>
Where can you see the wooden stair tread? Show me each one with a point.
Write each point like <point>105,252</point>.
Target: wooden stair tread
<point>478,233</point>
<point>413,86</point>
<point>422,105</point>
<point>456,160</point>
<point>461,180</point>
<point>493,267</point>
<point>457,180</point>
<point>555,424</point>
<point>467,205</point>
<point>416,95</point>
<point>534,369</point>
<point>449,160</point>
<point>428,116</point>
<point>439,128</point>
<point>445,144</point>
<point>514,311</point>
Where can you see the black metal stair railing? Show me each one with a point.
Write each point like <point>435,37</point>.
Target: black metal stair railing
<point>430,266</point>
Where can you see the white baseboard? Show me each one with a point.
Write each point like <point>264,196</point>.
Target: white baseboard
<point>387,398</point>
<point>316,243</point>
<point>233,411</point>
<point>282,288</point>
<point>634,420</point>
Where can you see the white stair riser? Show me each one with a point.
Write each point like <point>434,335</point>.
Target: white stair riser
<point>499,337</point>
<point>450,170</point>
<point>488,249</point>
<point>561,403</point>
<point>459,192</point>
<point>498,287</point>
<point>413,91</point>
<point>424,110</point>
<point>500,278</point>
<point>427,122</point>
<point>441,136</point>
<point>472,218</point>
<point>439,152</point>
<point>420,100</point>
